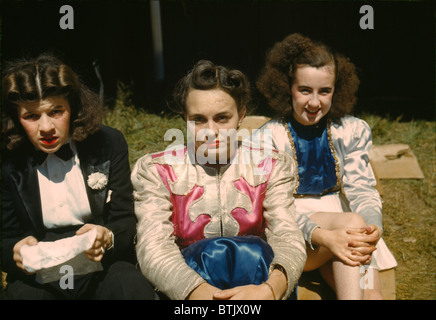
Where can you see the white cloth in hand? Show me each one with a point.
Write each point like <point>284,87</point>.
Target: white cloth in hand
<point>46,258</point>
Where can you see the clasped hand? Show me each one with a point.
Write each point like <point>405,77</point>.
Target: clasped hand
<point>102,241</point>
<point>354,246</point>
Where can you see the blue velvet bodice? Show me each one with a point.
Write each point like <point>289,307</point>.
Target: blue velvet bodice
<point>316,162</point>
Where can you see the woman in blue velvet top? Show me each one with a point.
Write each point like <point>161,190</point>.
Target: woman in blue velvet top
<point>313,90</point>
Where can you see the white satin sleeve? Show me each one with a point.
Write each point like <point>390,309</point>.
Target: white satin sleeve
<point>282,232</point>
<point>273,134</point>
<point>354,140</point>
<point>158,255</point>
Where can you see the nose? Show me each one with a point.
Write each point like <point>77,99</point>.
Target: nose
<point>46,125</point>
<point>314,101</point>
<point>212,128</point>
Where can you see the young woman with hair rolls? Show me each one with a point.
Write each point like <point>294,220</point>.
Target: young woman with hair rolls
<point>313,91</point>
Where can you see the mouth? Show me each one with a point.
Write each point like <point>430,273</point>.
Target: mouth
<point>213,144</point>
<point>49,140</point>
<point>312,113</point>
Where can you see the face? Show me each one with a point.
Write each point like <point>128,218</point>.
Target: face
<point>216,118</point>
<point>312,93</point>
<point>46,122</point>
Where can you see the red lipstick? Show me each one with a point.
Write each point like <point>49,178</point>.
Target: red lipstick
<point>49,140</point>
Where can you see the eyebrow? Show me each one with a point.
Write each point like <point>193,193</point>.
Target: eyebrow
<point>58,106</point>
<point>218,114</point>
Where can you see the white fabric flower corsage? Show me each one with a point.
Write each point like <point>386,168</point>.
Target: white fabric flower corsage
<point>97,181</point>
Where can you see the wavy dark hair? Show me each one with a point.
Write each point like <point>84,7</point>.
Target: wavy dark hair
<point>46,76</point>
<point>296,50</point>
<point>206,76</point>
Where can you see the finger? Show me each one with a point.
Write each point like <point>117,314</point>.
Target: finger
<point>355,230</point>
<point>94,257</point>
<point>32,241</point>
<point>355,256</point>
<point>367,238</point>
<point>350,262</point>
<point>97,244</point>
<point>225,294</point>
<point>84,229</point>
<point>95,251</point>
<point>364,250</point>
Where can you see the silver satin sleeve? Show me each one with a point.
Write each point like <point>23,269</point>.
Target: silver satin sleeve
<point>273,134</point>
<point>353,140</point>
<point>282,232</point>
<point>159,256</point>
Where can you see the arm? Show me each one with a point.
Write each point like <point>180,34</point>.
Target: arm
<point>158,255</point>
<point>282,231</point>
<point>120,218</point>
<point>359,181</point>
<point>13,233</point>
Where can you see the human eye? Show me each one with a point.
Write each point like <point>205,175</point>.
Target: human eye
<point>222,118</point>
<point>304,90</point>
<point>59,110</point>
<point>29,116</point>
<point>325,91</point>
<point>197,119</point>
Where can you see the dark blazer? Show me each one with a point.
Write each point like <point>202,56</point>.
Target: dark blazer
<point>106,152</point>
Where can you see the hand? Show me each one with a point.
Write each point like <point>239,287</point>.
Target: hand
<point>102,241</point>
<point>347,244</point>
<point>277,280</point>
<point>30,241</point>
<point>364,239</point>
<point>204,291</point>
<point>248,292</point>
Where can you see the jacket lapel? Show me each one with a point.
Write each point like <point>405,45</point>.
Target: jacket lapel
<point>26,182</point>
<point>92,163</point>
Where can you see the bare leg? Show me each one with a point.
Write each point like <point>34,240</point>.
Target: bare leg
<point>344,279</point>
<point>372,287</point>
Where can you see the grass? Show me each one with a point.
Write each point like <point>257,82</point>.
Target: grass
<point>143,131</point>
<point>409,208</point>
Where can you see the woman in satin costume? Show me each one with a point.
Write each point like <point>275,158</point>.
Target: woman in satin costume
<point>214,221</point>
<point>313,90</point>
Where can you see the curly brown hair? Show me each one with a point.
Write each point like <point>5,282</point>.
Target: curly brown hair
<point>296,50</point>
<point>205,76</point>
<point>36,79</point>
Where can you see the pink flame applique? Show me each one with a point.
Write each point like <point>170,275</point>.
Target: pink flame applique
<point>186,231</point>
<point>253,223</point>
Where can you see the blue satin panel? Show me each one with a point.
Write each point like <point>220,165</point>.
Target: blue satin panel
<point>316,163</point>
<point>227,262</point>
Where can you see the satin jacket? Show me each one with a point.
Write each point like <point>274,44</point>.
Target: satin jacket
<point>351,141</point>
<point>179,202</point>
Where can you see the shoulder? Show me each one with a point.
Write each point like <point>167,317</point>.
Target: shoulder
<point>351,123</point>
<point>105,140</point>
<point>352,133</point>
<point>274,133</point>
<point>171,156</point>
<point>275,125</point>
<point>262,156</point>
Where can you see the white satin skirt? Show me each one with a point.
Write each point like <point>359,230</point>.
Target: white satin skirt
<point>382,258</point>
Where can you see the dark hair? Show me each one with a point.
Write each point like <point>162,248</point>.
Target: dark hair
<point>205,76</point>
<point>296,50</point>
<point>46,76</point>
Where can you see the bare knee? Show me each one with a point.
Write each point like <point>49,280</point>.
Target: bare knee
<point>354,220</point>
